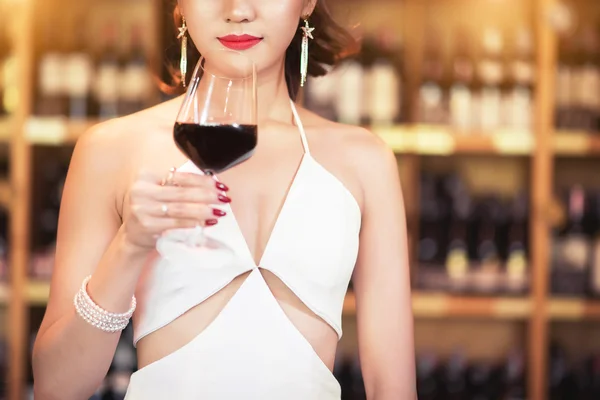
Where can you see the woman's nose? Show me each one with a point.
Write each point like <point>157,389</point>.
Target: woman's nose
<point>239,11</point>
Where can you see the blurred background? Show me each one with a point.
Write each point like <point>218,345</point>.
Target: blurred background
<point>493,110</point>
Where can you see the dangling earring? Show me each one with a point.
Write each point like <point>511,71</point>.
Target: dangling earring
<point>307,33</point>
<point>183,61</point>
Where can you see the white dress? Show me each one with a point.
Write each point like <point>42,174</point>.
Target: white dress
<point>252,350</point>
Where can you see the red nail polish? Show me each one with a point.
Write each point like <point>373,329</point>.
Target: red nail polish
<point>224,199</point>
<point>222,186</point>
<point>211,222</point>
<point>219,213</point>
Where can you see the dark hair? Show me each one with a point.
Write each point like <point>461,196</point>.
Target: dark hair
<point>331,43</point>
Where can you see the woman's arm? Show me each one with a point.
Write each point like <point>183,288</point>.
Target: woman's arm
<point>71,357</point>
<point>381,279</point>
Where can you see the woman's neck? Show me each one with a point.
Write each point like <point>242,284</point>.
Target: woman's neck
<point>273,96</point>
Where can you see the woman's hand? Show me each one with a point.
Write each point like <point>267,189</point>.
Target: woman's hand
<point>183,200</point>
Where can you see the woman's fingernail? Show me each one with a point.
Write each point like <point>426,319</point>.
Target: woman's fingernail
<point>219,213</point>
<point>211,222</point>
<point>222,186</point>
<point>224,199</point>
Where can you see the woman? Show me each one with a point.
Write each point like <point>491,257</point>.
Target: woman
<point>267,325</point>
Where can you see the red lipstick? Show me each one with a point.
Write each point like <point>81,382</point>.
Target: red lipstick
<point>239,42</point>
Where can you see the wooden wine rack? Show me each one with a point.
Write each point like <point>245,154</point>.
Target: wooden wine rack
<point>410,142</point>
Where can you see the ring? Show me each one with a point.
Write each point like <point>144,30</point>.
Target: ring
<point>165,209</point>
<point>169,180</point>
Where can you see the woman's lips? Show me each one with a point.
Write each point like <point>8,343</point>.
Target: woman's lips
<point>239,42</point>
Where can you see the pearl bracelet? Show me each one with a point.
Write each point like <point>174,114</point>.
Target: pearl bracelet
<point>95,315</point>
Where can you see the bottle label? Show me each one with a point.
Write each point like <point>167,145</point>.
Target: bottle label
<point>590,87</point>
<point>516,265</point>
<point>384,97</point>
<point>519,109</point>
<point>135,83</point>
<point>457,263</point>
<point>431,103</point>
<point>349,104</point>
<point>460,107</point>
<point>491,108</point>
<point>52,70</point>
<point>107,83</point>
<point>574,252</point>
<point>79,70</point>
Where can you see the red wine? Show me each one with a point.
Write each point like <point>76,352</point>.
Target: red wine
<point>216,148</point>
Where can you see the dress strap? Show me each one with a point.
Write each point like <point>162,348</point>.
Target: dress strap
<point>300,127</point>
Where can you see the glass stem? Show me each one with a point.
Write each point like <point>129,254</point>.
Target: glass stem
<point>199,238</point>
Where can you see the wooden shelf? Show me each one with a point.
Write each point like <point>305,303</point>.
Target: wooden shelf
<point>6,124</point>
<point>573,309</point>
<point>4,293</point>
<point>55,130</point>
<point>576,143</point>
<point>426,305</point>
<point>38,292</point>
<point>441,140</point>
<point>6,194</point>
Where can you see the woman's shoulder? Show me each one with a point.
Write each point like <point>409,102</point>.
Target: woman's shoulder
<point>121,140</point>
<point>358,143</point>
<point>135,129</point>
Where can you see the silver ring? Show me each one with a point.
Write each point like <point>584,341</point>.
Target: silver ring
<point>165,209</point>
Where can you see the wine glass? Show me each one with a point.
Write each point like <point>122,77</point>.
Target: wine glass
<point>216,127</point>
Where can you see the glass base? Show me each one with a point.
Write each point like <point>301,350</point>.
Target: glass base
<point>187,248</point>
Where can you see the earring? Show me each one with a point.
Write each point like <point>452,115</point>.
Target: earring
<point>183,61</point>
<point>307,33</point>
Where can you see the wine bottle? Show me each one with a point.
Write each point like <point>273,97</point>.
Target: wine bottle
<point>558,373</point>
<point>490,218</point>
<point>384,86</point>
<point>135,76</point>
<point>431,236</point>
<point>79,66</point>
<point>589,90</point>
<point>491,75</point>
<point>52,76</point>
<point>48,181</point>
<point>572,248</point>
<point>480,381</point>
<point>461,91</point>
<point>428,382</point>
<point>455,377</point>
<point>433,102</point>
<point>320,94</point>
<point>457,259</point>
<point>515,387</point>
<point>522,76</point>
<point>516,249</point>
<point>107,75</point>
<point>352,81</point>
